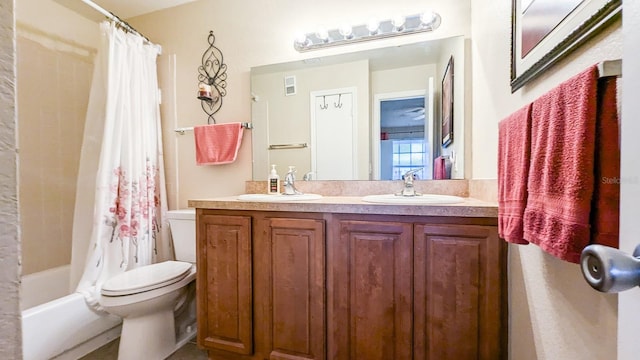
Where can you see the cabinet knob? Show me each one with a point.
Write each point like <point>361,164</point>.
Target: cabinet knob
<point>610,270</point>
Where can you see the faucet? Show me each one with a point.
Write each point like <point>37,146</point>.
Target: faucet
<point>289,182</point>
<point>308,176</point>
<point>408,189</point>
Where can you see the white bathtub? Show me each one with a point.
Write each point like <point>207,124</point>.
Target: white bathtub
<point>56,324</point>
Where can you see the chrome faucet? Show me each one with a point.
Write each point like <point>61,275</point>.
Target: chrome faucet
<point>308,176</point>
<point>289,182</point>
<point>408,189</point>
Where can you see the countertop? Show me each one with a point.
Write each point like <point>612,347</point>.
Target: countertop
<point>353,205</point>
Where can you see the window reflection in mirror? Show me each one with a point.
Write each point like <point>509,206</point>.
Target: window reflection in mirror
<point>390,126</point>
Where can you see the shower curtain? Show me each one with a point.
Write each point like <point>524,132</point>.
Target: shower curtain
<point>119,219</point>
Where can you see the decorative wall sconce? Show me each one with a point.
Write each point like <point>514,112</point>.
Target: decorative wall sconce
<point>212,76</point>
<point>372,30</point>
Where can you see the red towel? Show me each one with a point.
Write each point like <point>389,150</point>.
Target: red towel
<point>514,150</point>
<point>439,168</point>
<point>561,175</point>
<point>217,143</point>
<point>605,216</point>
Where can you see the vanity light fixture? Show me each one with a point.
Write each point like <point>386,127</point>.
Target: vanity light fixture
<point>372,30</point>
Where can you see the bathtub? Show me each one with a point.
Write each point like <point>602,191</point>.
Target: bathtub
<point>56,324</point>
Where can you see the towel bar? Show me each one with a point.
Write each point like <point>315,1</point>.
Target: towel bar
<point>181,131</point>
<point>287,146</point>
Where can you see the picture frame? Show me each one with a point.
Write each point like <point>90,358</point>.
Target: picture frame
<point>567,25</point>
<point>447,104</point>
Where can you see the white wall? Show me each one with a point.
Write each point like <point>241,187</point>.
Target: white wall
<point>554,314</point>
<point>251,33</point>
<point>10,322</point>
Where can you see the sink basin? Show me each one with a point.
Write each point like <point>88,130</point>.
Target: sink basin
<point>424,199</point>
<point>278,198</point>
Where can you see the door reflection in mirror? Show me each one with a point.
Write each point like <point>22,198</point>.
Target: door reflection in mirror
<point>403,142</point>
<point>333,129</point>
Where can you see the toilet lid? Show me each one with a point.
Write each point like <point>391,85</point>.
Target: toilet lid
<point>146,278</point>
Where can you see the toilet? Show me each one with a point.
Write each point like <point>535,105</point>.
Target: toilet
<point>150,298</point>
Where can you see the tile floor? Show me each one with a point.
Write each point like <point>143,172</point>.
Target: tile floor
<point>109,351</point>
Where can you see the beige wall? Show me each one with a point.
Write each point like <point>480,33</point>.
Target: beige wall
<point>408,78</point>
<point>55,54</point>
<point>10,322</point>
<point>554,314</point>
<point>250,34</point>
<point>56,21</point>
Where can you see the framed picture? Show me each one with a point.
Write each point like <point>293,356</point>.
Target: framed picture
<point>545,31</point>
<point>447,104</point>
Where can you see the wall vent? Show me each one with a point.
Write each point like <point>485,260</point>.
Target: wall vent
<point>289,85</point>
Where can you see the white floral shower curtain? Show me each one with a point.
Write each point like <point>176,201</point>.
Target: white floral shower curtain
<point>119,221</point>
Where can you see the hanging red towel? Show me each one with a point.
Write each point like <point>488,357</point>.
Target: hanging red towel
<point>562,177</point>
<point>514,150</point>
<point>217,144</point>
<point>605,215</point>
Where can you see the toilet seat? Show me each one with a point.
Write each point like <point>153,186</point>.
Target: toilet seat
<point>146,278</point>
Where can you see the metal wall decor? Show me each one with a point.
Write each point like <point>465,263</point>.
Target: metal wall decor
<point>212,76</point>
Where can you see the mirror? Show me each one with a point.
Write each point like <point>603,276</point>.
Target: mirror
<point>368,115</point>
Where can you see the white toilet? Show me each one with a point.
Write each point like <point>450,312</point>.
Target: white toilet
<point>149,298</point>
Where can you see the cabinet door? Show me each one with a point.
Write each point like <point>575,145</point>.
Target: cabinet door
<point>224,295</point>
<point>370,291</point>
<point>290,287</point>
<point>457,292</point>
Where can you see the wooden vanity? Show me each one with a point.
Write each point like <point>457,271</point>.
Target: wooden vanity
<point>341,279</point>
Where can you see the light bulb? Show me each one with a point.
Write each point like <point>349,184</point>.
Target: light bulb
<point>322,34</point>
<point>301,40</point>
<point>427,18</point>
<point>346,31</point>
<point>372,25</point>
<point>398,22</point>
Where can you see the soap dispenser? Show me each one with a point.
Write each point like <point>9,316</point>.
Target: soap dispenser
<point>273,183</point>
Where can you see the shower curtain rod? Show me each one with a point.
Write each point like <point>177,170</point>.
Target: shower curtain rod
<point>125,25</point>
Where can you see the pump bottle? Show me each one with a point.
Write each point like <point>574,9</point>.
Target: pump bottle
<point>273,182</point>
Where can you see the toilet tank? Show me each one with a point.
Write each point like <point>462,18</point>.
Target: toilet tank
<point>183,232</point>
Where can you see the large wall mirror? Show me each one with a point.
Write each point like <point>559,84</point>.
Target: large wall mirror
<point>368,115</point>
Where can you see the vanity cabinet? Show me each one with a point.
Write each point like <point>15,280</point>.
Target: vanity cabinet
<point>224,293</point>
<point>370,286</point>
<point>286,285</point>
<point>459,292</point>
<point>289,292</point>
<point>412,290</point>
